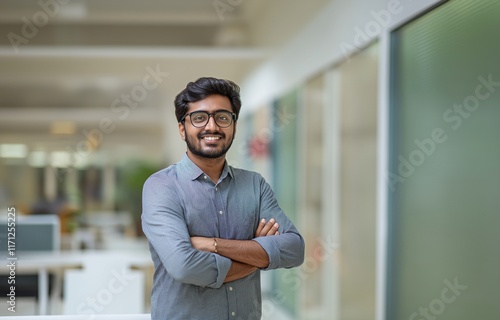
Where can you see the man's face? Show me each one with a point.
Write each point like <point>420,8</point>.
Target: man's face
<point>210,141</point>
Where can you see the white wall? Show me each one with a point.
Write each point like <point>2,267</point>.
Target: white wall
<point>343,27</point>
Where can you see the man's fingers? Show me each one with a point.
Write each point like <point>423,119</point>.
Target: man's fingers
<point>269,228</point>
<point>266,228</point>
<point>273,230</point>
<point>258,232</point>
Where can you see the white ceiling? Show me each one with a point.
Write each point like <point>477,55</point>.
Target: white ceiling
<point>86,55</point>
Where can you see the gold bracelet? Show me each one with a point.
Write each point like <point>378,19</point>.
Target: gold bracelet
<point>215,245</point>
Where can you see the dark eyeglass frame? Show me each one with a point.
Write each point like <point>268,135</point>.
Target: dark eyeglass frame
<point>233,118</point>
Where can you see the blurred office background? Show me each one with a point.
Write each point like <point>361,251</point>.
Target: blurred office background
<point>376,122</point>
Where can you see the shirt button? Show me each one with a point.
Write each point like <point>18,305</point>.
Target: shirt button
<point>230,288</point>
<point>233,313</point>
<point>220,212</point>
<point>216,189</point>
<point>205,177</point>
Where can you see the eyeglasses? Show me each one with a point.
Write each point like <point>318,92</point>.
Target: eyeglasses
<point>200,119</point>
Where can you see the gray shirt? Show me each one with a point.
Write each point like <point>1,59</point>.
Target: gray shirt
<point>181,201</point>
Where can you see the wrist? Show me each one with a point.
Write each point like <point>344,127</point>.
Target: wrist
<point>215,245</point>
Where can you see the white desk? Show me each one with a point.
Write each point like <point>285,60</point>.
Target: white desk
<point>44,261</point>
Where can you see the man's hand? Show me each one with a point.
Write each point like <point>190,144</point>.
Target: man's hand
<point>267,229</point>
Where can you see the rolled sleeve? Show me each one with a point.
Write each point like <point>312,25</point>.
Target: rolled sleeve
<point>284,250</point>
<point>223,265</point>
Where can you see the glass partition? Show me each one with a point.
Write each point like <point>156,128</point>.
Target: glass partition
<point>444,177</point>
<point>284,176</point>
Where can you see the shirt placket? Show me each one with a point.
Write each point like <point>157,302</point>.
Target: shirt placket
<point>221,211</point>
<point>224,232</point>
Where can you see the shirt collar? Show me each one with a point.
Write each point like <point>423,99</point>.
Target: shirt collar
<point>194,172</point>
<point>226,170</point>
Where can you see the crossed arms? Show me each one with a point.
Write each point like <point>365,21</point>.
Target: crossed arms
<point>192,260</point>
<point>246,255</point>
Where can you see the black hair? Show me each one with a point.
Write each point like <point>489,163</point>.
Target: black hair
<point>204,87</point>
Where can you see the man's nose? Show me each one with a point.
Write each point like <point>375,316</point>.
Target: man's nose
<point>211,124</point>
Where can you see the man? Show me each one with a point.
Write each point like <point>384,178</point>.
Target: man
<point>211,227</point>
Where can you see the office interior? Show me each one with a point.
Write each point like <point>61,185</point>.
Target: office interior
<point>375,122</point>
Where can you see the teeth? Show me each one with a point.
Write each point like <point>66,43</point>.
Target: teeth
<point>211,138</point>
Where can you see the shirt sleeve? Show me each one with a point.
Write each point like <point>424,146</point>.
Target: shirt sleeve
<point>285,250</point>
<point>164,225</point>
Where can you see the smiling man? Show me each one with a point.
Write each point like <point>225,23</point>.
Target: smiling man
<point>212,228</point>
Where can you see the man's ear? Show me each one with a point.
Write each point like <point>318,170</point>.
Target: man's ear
<point>182,130</point>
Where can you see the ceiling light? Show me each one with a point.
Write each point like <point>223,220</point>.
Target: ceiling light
<point>37,159</point>
<point>13,150</point>
<point>63,127</point>
<point>74,10</point>
<point>60,159</point>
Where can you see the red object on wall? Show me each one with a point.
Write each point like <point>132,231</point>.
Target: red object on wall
<point>258,147</point>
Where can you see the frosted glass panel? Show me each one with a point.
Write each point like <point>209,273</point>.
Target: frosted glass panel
<point>444,176</point>
<point>313,302</point>
<point>358,123</point>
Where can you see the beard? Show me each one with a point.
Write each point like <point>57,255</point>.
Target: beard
<point>194,145</point>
